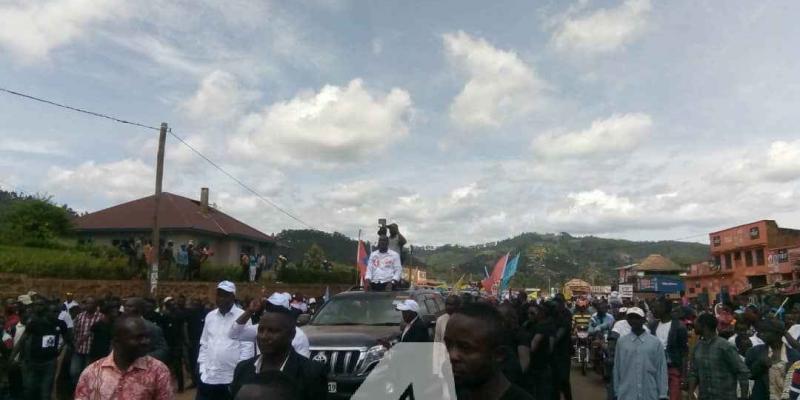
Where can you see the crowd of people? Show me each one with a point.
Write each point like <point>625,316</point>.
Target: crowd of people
<point>139,348</point>
<point>62,348</point>
<point>186,258</point>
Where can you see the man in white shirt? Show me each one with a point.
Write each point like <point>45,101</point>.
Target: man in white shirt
<point>219,354</point>
<point>742,327</point>
<point>383,268</point>
<point>246,331</point>
<point>451,305</point>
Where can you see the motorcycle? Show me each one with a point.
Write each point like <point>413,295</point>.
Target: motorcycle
<point>582,346</point>
<point>600,357</point>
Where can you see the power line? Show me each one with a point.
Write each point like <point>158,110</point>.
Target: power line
<point>242,184</point>
<point>203,156</point>
<point>80,110</point>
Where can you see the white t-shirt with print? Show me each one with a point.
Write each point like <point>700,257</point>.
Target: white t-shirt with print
<point>662,332</point>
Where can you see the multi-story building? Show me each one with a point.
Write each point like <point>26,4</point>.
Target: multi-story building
<point>744,257</point>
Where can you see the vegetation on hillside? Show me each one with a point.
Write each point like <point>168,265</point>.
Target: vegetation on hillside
<point>556,257</point>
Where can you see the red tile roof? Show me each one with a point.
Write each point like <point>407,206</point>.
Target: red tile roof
<point>175,213</point>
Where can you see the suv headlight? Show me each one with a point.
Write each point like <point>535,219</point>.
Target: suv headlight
<point>373,356</point>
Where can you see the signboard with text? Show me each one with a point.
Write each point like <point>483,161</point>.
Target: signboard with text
<point>626,291</point>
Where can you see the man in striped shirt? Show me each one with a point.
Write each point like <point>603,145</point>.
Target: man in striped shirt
<point>83,337</point>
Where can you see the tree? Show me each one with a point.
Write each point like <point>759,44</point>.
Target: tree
<point>314,257</point>
<point>35,222</point>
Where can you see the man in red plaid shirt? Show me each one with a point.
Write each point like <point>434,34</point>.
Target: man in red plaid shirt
<point>83,337</point>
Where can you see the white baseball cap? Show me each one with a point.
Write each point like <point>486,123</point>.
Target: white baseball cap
<point>279,299</point>
<point>635,310</point>
<point>408,305</point>
<point>227,286</point>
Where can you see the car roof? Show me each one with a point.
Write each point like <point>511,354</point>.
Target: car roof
<point>362,294</point>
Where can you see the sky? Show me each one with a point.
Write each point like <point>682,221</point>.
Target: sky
<point>463,121</point>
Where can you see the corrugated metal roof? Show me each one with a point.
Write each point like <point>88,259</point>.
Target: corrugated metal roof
<point>175,213</point>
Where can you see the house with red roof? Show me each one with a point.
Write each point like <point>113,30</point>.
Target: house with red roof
<point>182,220</point>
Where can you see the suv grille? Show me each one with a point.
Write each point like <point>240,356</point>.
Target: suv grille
<point>338,361</point>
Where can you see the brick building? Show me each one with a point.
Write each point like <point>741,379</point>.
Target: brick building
<point>744,257</point>
<point>181,219</point>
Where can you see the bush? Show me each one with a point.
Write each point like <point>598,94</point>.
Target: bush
<point>108,263</point>
<point>64,264</point>
<point>35,222</point>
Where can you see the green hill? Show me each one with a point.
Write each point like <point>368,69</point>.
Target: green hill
<point>560,257</point>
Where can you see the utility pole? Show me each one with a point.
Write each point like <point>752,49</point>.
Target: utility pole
<point>162,138</point>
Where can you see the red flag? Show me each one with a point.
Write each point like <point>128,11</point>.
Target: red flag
<point>497,274</point>
<point>361,262</point>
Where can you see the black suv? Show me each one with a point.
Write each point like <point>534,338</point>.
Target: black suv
<point>345,333</point>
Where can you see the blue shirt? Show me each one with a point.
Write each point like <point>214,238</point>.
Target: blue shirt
<point>600,325</point>
<point>640,368</point>
<point>183,257</point>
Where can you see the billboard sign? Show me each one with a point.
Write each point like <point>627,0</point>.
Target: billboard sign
<point>626,291</point>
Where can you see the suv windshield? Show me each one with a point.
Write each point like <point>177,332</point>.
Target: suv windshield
<point>359,311</point>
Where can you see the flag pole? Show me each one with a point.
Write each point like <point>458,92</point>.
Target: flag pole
<point>358,268</point>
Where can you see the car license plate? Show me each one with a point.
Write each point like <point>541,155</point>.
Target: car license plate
<point>331,387</point>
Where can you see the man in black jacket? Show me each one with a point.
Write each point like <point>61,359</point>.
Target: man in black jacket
<point>675,338</point>
<point>772,357</point>
<point>415,329</point>
<point>276,329</point>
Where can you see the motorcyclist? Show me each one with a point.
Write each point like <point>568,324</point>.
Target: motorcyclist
<point>601,321</point>
<point>581,317</point>
<point>600,325</point>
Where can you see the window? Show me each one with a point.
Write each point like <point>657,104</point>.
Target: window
<point>748,258</point>
<point>737,256</point>
<point>715,240</point>
<point>431,305</point>
<point>439,302</point>
<point>717,261</point>
<point>728,261</point>
<point>782,256</point>
<point>759,256</point>
<point>786,277</point>
<point>691,290</point>
<point>754,233</point>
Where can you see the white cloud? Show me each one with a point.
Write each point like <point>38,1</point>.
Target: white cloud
<point>618,133</point>
<point>335,125</point>
<point>596,211</point>
<point>122,180</point>
<point>783,161</point>
<point>32,146</point>
<point>219,97</point>
<point>500,86</point>
<point>604,30</point>
<point>33,28</point>
<point>780,163</point>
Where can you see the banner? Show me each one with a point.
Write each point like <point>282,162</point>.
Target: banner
<point>361,262</point>
<point>626,291</point>
<point>510,271</point>
<point>491,283</point>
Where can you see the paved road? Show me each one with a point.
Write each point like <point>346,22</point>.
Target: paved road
<point>589,387</point>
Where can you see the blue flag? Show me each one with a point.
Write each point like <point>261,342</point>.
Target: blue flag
<point>511,269</point>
